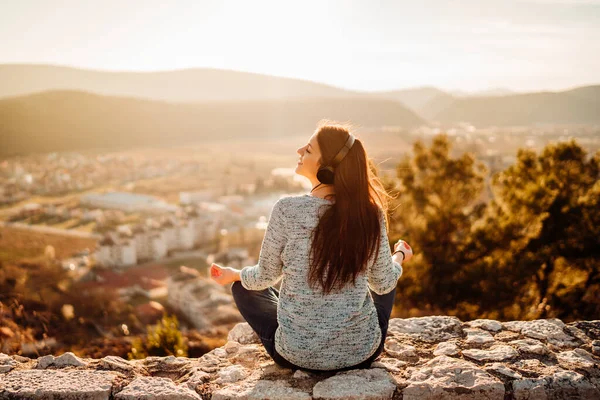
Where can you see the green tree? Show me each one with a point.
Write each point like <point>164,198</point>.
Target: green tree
<point>541,235</point>
<point>439,199</point>
<point>162,339</point>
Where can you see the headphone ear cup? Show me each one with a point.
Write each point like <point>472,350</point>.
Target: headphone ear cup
<point>325,175</point>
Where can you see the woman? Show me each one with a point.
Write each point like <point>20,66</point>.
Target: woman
<point>324,319</point>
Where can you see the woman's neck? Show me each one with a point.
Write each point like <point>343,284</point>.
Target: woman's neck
<point>322,190</point>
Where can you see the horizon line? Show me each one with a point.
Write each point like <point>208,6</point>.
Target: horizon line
<point>183,69</point>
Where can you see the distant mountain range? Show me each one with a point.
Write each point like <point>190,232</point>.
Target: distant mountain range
<point>69,120</point>
<point>46,108</point>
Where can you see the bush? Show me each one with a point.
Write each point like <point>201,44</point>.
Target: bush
<point>162,339</point>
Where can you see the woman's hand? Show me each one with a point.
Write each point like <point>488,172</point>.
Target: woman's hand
<point>223,275</point>
<point>405,248</point>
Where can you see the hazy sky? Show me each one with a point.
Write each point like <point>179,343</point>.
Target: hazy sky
<point>522,45</point>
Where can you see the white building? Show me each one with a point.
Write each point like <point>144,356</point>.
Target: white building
<point>150,243</point>
<point>116,250</point>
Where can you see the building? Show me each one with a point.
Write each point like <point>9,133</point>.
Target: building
<point>128,202</point>
<point>150,243</point>
<point>116,250</point>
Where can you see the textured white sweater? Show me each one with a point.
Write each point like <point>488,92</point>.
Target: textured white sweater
<point>318,331</point>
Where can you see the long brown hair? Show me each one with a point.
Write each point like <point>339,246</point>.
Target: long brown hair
<point>349,231</point>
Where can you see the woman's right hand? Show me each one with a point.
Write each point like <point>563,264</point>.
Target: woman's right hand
<point>406,249</point>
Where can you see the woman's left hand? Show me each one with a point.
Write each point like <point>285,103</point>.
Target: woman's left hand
<point>223,275</point>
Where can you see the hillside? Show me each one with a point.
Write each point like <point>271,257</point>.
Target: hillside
<point>190,85</point>
<point>67,120</point>
<point>576,106</point>
<point>414,98</point>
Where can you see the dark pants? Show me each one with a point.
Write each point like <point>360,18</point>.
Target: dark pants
<point>259,309</point>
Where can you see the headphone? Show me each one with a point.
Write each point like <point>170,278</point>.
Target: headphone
<point>325,174</point>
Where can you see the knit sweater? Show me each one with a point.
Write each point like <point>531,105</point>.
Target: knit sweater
<point>318,331</point>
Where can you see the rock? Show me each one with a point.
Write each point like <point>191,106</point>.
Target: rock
<point>232,373</point>
<point>417,363</point>
<point>447,349</point>
<point>401,351</point>
<point>6,363</point>
<point>116,363</point>
<point>427,329</point>
<point>271,369</point>
<point>248,355</point>
<point>231,347</point>
<point>596,347</point>
<point>260,390</point>
<point>243,334</point>
<point>450,378</point>
<point>220,352</point>
<point>503,370</point>
<point>560,385</point>
<point>530,346</point>
<point>299,374</point>
<point>389,364</point>
<point>478,337</point>
<point>590,328</point>
<point>57,384</point>
<point>487,324</point>
<point>551,330</point>
<point>506,336</point>
<point>196,378</point>
<point>495,353</point>
<point>21,359</point>
<point>155,388</point>
<point>575,359</point>
<point>364,384</point>
<point>64,360</point>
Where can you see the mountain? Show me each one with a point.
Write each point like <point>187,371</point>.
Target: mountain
<point>190,85</point>
<point>414,98</point>
<point>69,120</point>
<point>483,93</point>
<point>575,106</point>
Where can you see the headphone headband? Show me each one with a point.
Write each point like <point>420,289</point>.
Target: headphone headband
<point>343,151</point>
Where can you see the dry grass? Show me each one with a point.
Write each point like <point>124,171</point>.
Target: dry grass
<point>19,244</point>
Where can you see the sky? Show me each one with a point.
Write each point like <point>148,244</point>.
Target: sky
<point>370,45</point>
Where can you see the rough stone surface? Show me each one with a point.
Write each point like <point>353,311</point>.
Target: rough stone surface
<point>495,353</point>
<point>498,368</point>
<point>427,329</point>
<point>64,360</point>
<point>6,363</point>
<point>261,390</point>
<point>425,358</point>
<point>155,389</point>
<point>58,384</point>
<point>404,352</point>
<point>561,385</point>
<point>116,363</point>
<point>364,384</point>
<point>530,346</point>
<point>487,324</point>
<point>575,359</point>
<point>552,330</point>
<point>478,337</point>
<point>446,349</point>
<point>243,334</point>
<point>232,373</point>
<point>451,378</point>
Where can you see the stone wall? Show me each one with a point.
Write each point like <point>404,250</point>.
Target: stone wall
<point>435,357</point>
